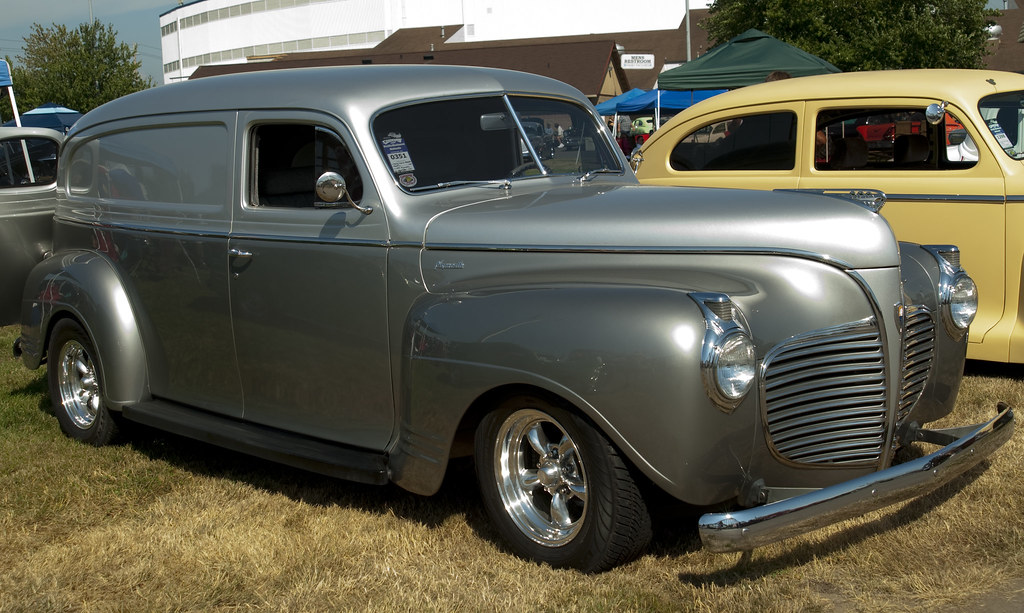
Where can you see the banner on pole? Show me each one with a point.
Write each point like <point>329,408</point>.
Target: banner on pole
<point>5,74</point>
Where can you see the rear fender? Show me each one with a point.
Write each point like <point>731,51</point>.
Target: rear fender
<point>83,285</point>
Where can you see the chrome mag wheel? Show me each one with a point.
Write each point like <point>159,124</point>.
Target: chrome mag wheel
<point>78,384</point>
<point>75,381</point>
<point>541,478</point>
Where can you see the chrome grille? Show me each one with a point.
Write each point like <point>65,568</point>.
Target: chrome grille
<point>918,353</point>
<point>825,396</point>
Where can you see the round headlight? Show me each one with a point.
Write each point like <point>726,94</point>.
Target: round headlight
<point>963,302</point>
<point>734,367</point>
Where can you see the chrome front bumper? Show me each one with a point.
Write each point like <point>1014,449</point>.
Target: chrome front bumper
<point>965,447</point>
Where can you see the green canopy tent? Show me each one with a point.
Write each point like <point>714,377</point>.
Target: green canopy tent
<point>744,60</point>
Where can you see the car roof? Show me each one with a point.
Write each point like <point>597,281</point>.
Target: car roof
<point>953,85</point>
<point>347,91</point>
<point>14,131</point>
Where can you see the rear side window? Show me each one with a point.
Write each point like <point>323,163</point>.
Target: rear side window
<point>174,164</point>
<point>890,139</point>
<point>42,166</point>
<point>752,142</point>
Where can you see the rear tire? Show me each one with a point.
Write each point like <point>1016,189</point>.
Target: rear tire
<point>556,489</point>
<point>75,381</point>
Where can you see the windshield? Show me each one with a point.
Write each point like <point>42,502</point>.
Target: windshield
<point>490,139</point>
<point>1004,116</point>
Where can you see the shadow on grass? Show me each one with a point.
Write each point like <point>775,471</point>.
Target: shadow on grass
<point>996,370</point>
<point>457,495</point>
<point>37,386</point>
<point>674,524</point>
<point>892,517</point>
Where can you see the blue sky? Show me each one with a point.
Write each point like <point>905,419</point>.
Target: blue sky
<point>136,21</point>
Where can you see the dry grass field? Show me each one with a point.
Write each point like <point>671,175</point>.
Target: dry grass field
<point>160,523</point>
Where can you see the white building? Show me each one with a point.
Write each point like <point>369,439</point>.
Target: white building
<point>210,32</point>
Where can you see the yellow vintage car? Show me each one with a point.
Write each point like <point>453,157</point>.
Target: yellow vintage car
<point>945,147</point>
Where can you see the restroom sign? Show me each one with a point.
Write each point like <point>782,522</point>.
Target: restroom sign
<point>638,61</point>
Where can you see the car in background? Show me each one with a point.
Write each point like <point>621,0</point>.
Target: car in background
<point>642,125</point>
<point>945,147</point>
<point>540,137</point>
<point>27,193</point>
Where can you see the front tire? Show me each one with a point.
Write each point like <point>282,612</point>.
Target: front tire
<point>75,381</point>
<point>556,489</point>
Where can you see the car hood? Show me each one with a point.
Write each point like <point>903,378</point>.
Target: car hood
<point>644,218</point>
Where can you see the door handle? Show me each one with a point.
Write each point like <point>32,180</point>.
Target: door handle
<point>239,253</point>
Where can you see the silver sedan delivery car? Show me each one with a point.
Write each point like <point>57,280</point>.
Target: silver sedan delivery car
<point>366,271</point>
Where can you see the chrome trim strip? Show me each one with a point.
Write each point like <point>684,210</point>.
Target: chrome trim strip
<point>647,250</point>
<point>871,199</point>
<point>227,235</point>
<point>959,198</point>
<point>523,138</point>
<point>749,528</point>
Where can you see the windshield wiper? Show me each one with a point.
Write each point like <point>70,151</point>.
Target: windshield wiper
<point>590,174</point>
<point>502,183</point>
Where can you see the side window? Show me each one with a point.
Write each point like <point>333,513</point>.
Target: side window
<point>174,164</point>
<point>287,160</point>
<point>890,139</point>
<point>751,142</point>
<point>42,169</point>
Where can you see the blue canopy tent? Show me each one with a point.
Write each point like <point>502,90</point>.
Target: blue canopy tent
<point>608,106</point>
<point>48,115</point>
<point>665,99</point>
<point>655,101</point>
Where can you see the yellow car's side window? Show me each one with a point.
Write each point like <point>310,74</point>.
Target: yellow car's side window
<point>890,139</point>
<point>752,142</point>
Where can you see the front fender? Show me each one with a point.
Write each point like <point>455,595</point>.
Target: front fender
<point>627,357</point>
<point>85,286</point>
<point>922,277</point>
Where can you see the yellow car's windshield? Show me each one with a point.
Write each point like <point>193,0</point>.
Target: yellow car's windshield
<point>1004,116</point>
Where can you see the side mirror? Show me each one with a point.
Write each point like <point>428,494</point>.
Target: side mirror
<point>636,157</point>
<point>331,187</point>
<point>936,112</point>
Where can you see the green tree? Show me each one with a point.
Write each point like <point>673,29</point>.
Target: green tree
<point>866,35</point>
<point>79,68</point>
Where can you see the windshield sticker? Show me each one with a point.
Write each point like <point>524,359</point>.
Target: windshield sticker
<point>407,180</point>
<point>397,153</point>
<point>1001,137</point>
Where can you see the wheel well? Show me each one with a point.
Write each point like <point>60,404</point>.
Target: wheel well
<point>48,332</point>
<point>462,445</point>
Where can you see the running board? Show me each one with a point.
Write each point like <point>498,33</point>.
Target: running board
<point>261,441</point>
